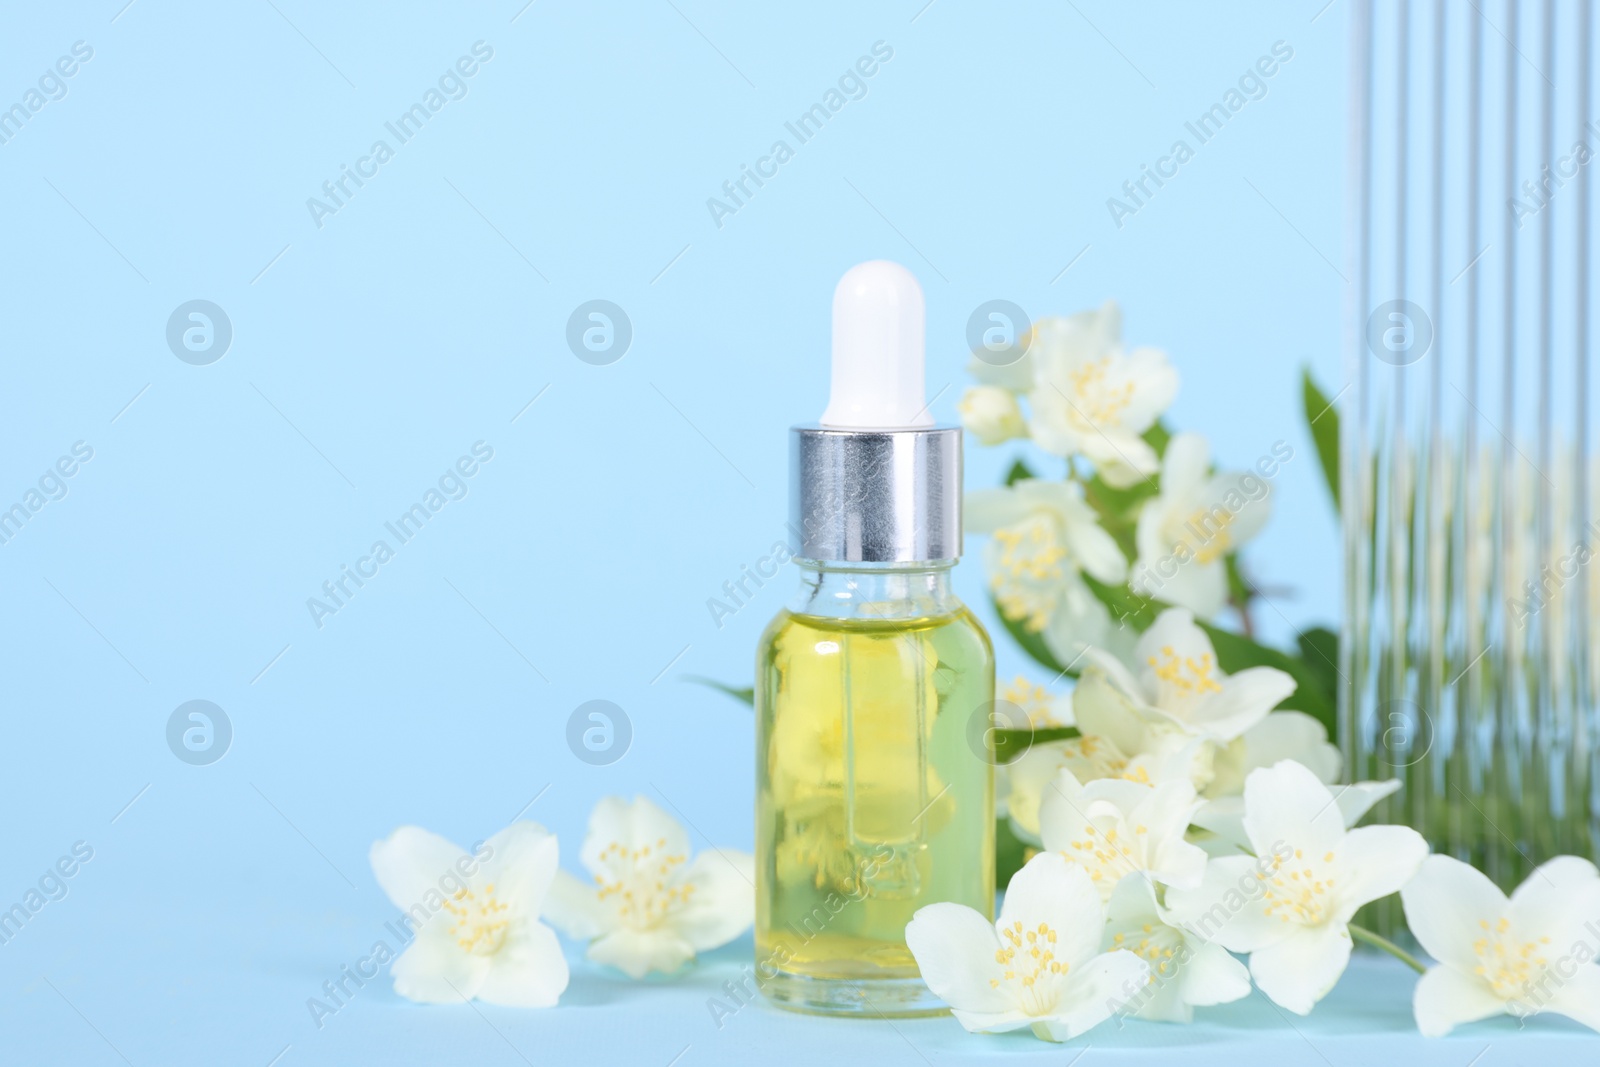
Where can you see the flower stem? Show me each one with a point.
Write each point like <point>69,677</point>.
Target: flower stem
<point>1361,933</point>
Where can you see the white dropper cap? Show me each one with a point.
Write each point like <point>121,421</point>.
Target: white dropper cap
<point>877,351</point>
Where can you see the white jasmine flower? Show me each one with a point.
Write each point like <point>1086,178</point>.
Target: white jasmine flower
<point>1112,827</point>
<point>1044,709</point>
<point>1113,744</point>
<point>1044,537</point>
<point>1534,952</point>
<point>1030,774</point>
<point>1039,966</point>
<point>1291,908</point>
<point>651,908</point>
<point>477,916</point>
<point>1089,398</point>
<point>1185,971</point>
<point>992,414</point>
<point>1187,530</point>
<point>1179,682</point>
<point>1090,757</point>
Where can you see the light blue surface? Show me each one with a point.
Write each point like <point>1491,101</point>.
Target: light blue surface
<point>371,352</point>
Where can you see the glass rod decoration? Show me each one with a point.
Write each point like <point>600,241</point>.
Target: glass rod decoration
<point>1469,654</point>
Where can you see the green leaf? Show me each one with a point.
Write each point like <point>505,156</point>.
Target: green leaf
<point>1323,422</point>
<point>1240,592</point>
<point>1030,642</point>
<point>1157,437</point>
<point>1312,694</point>
<point>747,694</point>
<point>1018,472</point>
<point>1319,647</point>
<point>1044,735</point>
<point>1009,745</point>
<point>1126,606</point>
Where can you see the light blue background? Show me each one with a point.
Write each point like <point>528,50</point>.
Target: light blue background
<point>369,353</point>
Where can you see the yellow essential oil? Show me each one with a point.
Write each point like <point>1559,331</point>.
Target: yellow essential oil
<point>874,787</point>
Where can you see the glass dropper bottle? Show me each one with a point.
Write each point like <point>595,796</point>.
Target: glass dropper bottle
<point>871,800</point>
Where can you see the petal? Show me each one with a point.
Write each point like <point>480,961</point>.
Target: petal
<point>1187,462</point>
<point>409,863</point>
<point>1103,708</point>
<point>1558,900</point>
<point>1292,735</point>
<point>1150,538</point>
<point>1062,343</point>
<point>1251,517</point>
<point>636,953</point>
<point>1157,387</point>
<point>1286,804</point>
<point>1094,990</point>
<point>1164,815</point>
<point>1122,457</point>
<point>991,1022</point>
<point>1173,630</point>
<point>1091,547</point>
<point>954,947</point>
<point>1212,976</point>
<point>1116,673</point>
<point>1120,475</point>
<point>1226,907</point>
<point>1374,861</point>
<point>1132,903</point>
<point>1224,817</point>
<point>1446,998</point>
<point>1059,809</point>
<point>529,972</point>
<point>1244,702</point>
<point>1052,426</point>
<point>1096,551</point>
<point>1132,910</point>
<point>1357,798</point>
<point>1445,903</point>
<point>1179,864</point>
<point>1198,587</point>
<point>1299,970</point>
<point>521,864</point>
<point>986,510</point>
<point>1578,998</point>
<point>628,828</point>
<point>722,904</point>
<point>1016,377</point>
<point>1101,328</point>
<point>1162,1001</point>
<point>1079,621</point>
<point>1060,894</point>
<point>434,970</point>
<point>1122,795</point>
<point>991,414</point>
<point>575,908</point>
<point>1029,777</point>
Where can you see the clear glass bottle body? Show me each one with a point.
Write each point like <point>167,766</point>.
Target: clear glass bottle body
<point>872,797</point>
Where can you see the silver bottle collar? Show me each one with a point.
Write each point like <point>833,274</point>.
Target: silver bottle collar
<point>876,496</point>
